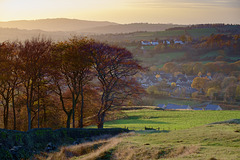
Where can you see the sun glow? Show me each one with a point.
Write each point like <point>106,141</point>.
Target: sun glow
<point>123,11</point>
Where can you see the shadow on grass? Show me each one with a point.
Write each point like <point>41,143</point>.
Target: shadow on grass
<point>136,121</point>
<point>152,131</point>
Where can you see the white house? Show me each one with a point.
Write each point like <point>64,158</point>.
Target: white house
<point>154,43</point>
<point>178,42</point>
<point>145,43</point>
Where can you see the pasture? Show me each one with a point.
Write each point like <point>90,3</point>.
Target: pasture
<point>169,120</point>
<point>193,139</point>
<point>158,59</point>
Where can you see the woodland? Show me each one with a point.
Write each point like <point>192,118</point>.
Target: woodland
<point>73,83</point>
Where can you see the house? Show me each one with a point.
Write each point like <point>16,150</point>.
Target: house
<point>154,43</point>
<point>177,107</point>
<point>163,106</point>
<point>197,109</point>
<point>166,42</point>
<point>178,42</point>
<point>145,43</point>
<point>148,43</point>
<point>213,107</point>
<point>186,107</point>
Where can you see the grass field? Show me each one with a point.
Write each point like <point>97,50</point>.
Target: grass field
<point>201,32</point>
<point>207,142</point>
<point>174,33</point>
<point>170,120</point>
<point>210,54</point>
<point>194,139</point>
<point>158,59</point>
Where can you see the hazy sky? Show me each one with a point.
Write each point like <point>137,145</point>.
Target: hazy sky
<point>125,11</point>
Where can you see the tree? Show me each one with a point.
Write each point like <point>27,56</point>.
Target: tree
<point>170,67</point>
<point>5,78</point>
<point>212,93</point>
<point>199,83</point>
<point>228,81</point>
<point>74,66</point>
<point>8,79</point>
<point>198,67</point>
<point>114,69</point>
<point>238,93</point>
<point>33,56</point>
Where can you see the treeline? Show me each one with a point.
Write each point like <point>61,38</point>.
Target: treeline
<point>193,68</point>
<point>221,27</point>
<point>46,84</point>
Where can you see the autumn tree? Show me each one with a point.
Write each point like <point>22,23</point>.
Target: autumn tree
<point>5,76</point>
<point>74,64</point>
<point>115,68</point>
<point>9,79</point>
<point>33,55</point>
<point>200,83</point>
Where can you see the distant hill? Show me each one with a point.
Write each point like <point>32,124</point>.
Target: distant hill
<point>59,24</point>
<point>82,26</point>
<point>133,27</point>
<point>12,34</point>
<point>62,28</point>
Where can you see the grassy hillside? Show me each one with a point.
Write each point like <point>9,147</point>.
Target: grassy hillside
<point>159,59</point>
<point>200,32</point>
<point>170,120</point>
<point>208,142</point>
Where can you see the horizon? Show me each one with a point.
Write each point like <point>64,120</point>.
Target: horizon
<point>185,12</point>
<point>117,22</point>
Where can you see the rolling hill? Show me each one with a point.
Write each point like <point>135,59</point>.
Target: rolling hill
<point>58,24</point>
<point>62,28</point>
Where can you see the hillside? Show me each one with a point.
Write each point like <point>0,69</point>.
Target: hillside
<point>59,24</point>
<point>181,135</point>
<point>133,27</point>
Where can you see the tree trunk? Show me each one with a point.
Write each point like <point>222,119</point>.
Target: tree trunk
<point>29,118</point>
<point>101,120</point>
<point>38,106</point>
<point>44,116</point>
<point>81,111</point>
<point>14,111</point>
<point>5,116</point>
<point>73,109</point>
<point>69,114</point>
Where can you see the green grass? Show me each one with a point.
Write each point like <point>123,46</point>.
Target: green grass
<point>201,32</point>
<point>234,58</point>
<point>170,120</point>
<point>175,101</point>
<point>161,58</point>
<point>204,142</point>
<point>210,54</point>
<point>174,33</point>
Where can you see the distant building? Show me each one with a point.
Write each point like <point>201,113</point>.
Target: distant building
<point>177,107</point>
<point>149,43</point>
<point>178,42</point>
<point>154,43</point>
<point>163,106</point>
<point>166,42</point>
<point>145,43</point>
<point>213,107</point>
<point>197,109</point>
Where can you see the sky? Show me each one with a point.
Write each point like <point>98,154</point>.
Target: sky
<point>125,11</point>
